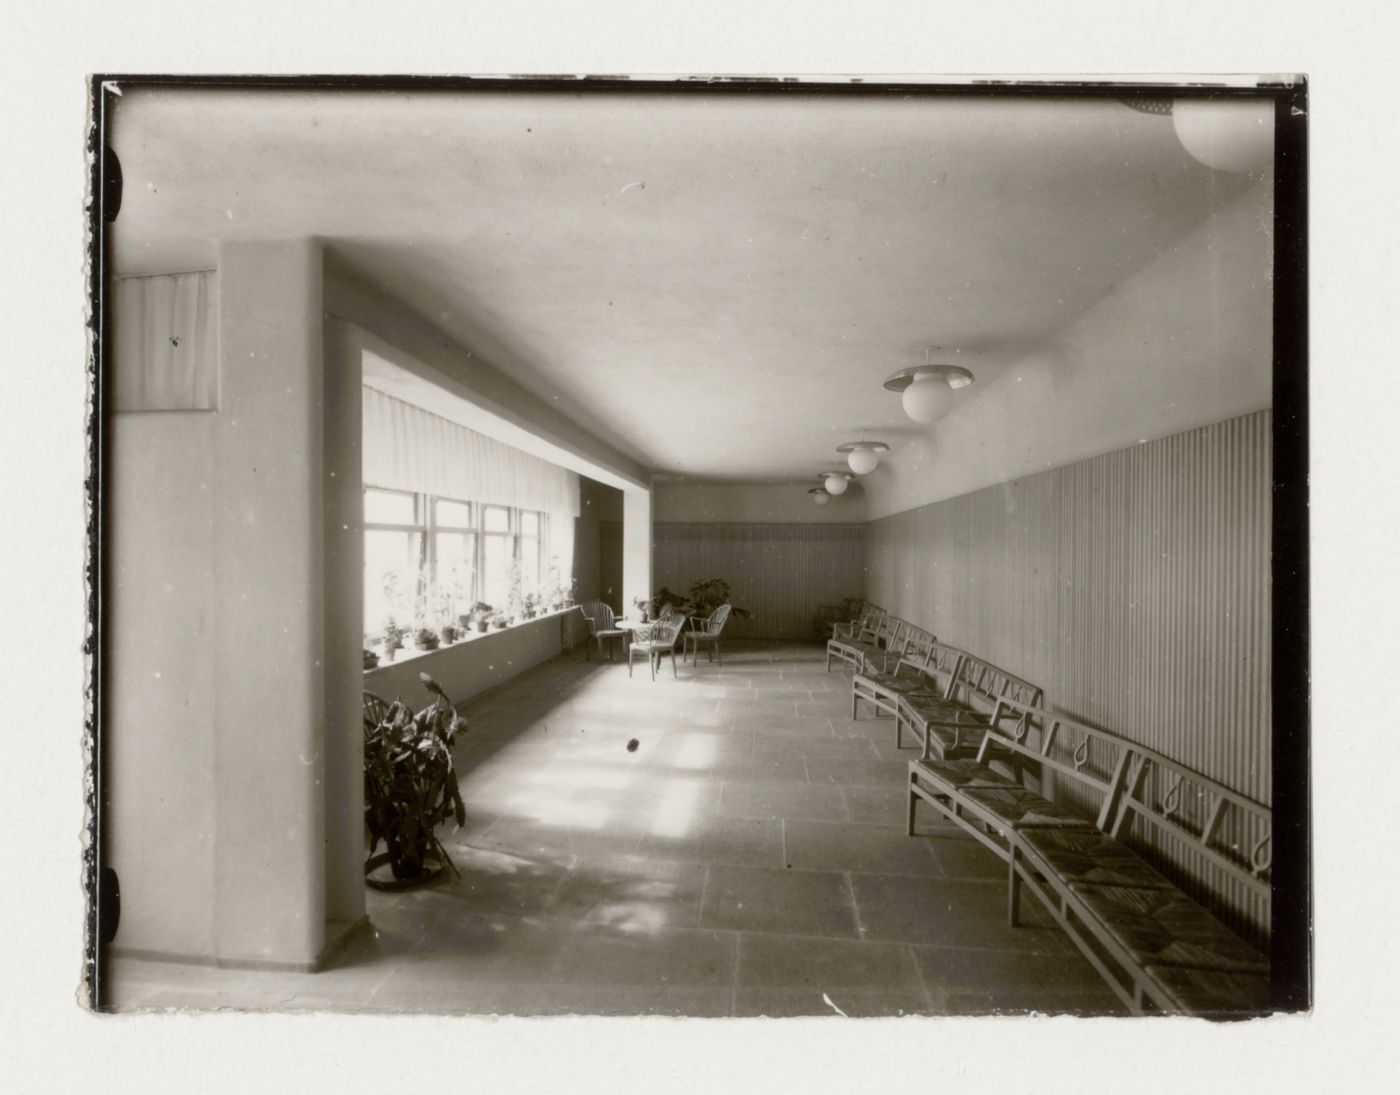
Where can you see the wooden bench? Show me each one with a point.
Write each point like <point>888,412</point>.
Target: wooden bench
<point>869,618</point>
<point>922,661</point>
<point>1156,947</point>
<point>951,717</point>
<point>869,642</point>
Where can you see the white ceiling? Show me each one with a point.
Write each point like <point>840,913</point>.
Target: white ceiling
<point>717,284</point>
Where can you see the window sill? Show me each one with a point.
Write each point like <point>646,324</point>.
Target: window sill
<point>413,653</point>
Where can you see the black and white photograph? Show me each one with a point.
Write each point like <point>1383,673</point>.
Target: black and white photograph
<point>738,547</point>
<point>700,548</point>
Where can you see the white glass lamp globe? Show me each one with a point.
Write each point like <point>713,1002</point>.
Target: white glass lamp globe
<point>863,461</point>
<point>1235,135</point>
<point>821,498</point>
<point>836,484</point>
<point>927,398</point>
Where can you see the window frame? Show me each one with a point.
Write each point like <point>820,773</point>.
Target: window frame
<point>427,527</point>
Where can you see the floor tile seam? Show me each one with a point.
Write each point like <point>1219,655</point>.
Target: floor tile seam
<point>855,907</point>
<point>794,869</point>
<point>923,982</point>
<point>809,937</point>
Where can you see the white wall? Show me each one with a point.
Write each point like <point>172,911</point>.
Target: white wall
<point>754,503</point>
<point>217,715</point>
<point>1184,342</point>
<point>161,615</point>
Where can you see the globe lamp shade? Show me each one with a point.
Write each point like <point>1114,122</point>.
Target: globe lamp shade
<point>927,398</point>
<point>836,484</point>
<point>863,461</point>
<point>821,498</point>
<point>1235,136</point>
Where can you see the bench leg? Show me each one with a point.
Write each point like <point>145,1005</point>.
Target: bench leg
<point>913,802</point>
<point>855,701</point>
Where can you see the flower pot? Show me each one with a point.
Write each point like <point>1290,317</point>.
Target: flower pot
<point>448,634</point>
<point>379,873</point>
<point>426,644</point>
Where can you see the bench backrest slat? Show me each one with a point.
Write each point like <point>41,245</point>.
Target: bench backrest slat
<point>938,661</point>
<point>1234,834</point>
<point>1026,731</point>
<point>915,644</point>
<point>979,683</point>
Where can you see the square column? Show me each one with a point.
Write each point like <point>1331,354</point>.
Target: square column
<point>636,545</point>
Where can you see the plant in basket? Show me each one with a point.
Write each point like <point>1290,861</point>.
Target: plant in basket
<point>410,787</point>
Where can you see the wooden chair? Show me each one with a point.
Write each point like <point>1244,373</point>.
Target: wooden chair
<point>656,641</point>
<point>706,632</point>
<point>376,709</point>
<point>602,627</point>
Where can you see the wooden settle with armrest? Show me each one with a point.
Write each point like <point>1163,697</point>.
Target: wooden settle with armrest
<point>923,662</point>
<point>873,641</point>
<point>1157,948</point>
<point>951,717</point>
<point>868,617</point>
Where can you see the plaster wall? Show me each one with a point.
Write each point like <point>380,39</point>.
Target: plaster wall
<point>218,677</point>
<point>161,616</point>
<point>269,545</point>
<point>755,503</point>
<point>1184,342</point>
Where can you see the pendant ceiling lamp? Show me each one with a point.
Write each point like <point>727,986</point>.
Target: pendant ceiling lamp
<point>820,496</point>
<point>928,388</point>
<point>835,482</point>
<point>1235,135</point>
<point>863,456</point>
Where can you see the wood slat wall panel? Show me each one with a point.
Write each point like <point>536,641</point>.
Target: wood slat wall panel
<point>782,573</point>
<point>1133,586</point>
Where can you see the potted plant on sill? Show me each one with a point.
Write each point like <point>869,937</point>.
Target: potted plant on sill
<point>391,637</point>
<point>371,658</point>
<point>498,621</point>
<point>480,613</point>
<point>531,605</point>
<point>410,788</point>
<point>425,639</point>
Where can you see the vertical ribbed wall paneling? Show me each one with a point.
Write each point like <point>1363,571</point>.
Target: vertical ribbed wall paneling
<point>1133,586</point>
<point>782,573</point>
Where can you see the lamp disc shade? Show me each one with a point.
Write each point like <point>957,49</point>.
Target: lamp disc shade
<point>927,398</point>
<point>836,484</point>
<point>1237,135</point>
<point>863,461</point>
<point>821,498</point>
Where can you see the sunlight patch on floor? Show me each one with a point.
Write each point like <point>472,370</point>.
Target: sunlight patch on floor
<point>676,812</point>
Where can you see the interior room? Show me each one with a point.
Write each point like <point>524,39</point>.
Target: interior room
<point>697,550</point>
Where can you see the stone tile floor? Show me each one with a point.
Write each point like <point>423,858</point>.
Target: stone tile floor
<point>748,858</point>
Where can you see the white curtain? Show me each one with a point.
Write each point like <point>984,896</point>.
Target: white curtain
<point>167,354</point>
<point>408,448</point>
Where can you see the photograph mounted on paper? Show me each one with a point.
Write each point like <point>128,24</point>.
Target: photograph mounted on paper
<point>817,547</point>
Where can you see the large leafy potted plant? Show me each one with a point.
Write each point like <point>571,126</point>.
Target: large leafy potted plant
<point>703,598</point>
<point>410,788</point>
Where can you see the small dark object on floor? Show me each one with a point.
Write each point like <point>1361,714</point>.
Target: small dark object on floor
<point>632,745</point>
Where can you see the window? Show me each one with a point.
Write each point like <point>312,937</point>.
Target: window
<point>429,559</point>
<point>453,556</point>
<point>394,538</point>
